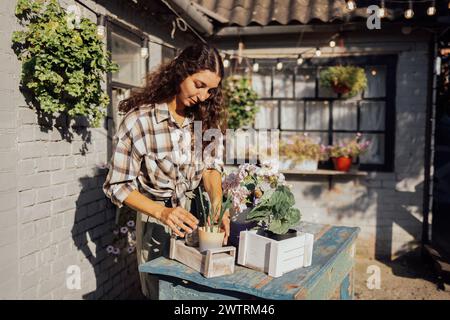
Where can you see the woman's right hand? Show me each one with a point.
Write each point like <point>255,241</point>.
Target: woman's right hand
<point>178,219</point>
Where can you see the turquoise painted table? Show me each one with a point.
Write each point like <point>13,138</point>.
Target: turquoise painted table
<point>329,277</point>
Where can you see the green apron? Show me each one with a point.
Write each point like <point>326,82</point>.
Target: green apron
<point>153,240</point>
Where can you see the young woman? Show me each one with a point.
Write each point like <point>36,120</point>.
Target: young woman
<point>153,169</point>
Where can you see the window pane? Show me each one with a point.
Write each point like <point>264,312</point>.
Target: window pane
<point>127,54</point>
<point>283,86</point>
<point>305,83</point>
<point>318,137</point>
<point>267,117</point>
<point>326,92</point>
<point>375,153</point>
<point>262,83</point>
<point>372,115</point>
<point>376,82</point>
<point>292,114</point>
<point>317,115</point>
<point>340,137</point>
<point>345,115</point>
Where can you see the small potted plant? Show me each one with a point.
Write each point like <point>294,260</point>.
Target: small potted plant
<point>260,195</point>
<point>343,154</point>
<point>302,153</point>
<point>345,80</point>
<point>210,235</point>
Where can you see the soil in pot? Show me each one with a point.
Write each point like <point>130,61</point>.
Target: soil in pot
<point>278,237</point>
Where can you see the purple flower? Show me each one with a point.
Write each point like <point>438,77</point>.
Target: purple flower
<point>130,249</point>
<point>110,249</point>
<point>130,223</point>
<point>124,229</point>
<point>116,251</point>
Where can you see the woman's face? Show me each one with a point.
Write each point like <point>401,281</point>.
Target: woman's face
<point>197,87</point>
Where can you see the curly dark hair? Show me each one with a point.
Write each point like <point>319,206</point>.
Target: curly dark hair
<point>163,84</point>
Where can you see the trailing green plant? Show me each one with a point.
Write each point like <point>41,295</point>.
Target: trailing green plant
<point>63,60</point>
<point>240,100</point>
<point>348,80</point>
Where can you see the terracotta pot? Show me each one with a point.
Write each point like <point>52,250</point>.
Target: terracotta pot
<point>210,240</point>
<point>339,88</point>
<point>342,163</point>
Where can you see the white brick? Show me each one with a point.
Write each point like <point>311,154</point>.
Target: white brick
<point>8,236</point>
<point>27,116</point>
<point>59,148</point>
<point>43,164</point>
<point>26,133</point>
<point>27,198</point>
<point>8,200</point>
<point>29,263</point>
<point>26,167</point>
<point>8,162</point>
<point>29,150</point>
<point>63,176</point>
<point>36,212</point>
<point>63,204</point>
<point>8,119</point>
<point>8,141</point>
<point>56,163</point>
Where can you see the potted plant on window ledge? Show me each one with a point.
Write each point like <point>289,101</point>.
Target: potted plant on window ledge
<point>343,154</point>
<point>346,81</point>
<point>302,153</point>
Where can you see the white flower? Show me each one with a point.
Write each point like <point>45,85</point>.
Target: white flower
<point>124,229</point>
<point>130,223</point>
<point>130,249</point>
<point>248,108</point>
<point>116,251</point>
<point>110,249</point>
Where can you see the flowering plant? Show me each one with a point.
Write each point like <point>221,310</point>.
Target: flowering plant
<point>303,148</point>
<point>124,235</point>
<point>265,193</point>
<point>352,149</point>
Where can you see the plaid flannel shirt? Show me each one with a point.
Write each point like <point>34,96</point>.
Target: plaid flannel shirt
<point>153,154</point>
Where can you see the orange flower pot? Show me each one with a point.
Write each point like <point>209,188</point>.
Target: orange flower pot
<point>342,163</point>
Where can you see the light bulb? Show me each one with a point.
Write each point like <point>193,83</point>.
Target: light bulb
<point>431,11</point>
<point>409,13</point>
<point>226,63</point>
<point>374,72</point>
<point>299,60</point>
<point>332,43</point>
<point>279,65</point>
<point>318,52</point>
<point>351,5</point>
<point>382,13</point>
<point>101,31</point>
<point>255,67</point>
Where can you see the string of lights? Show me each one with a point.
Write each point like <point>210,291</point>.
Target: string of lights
<point>332,41</point>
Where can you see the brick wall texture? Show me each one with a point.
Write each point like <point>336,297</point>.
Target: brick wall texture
<point>53,213</point>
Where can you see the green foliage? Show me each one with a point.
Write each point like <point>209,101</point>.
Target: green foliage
<point>276,210</point>
<point>63,61</point>
<point>349,80</point>
<point>213,217</point>
<point>240,99</point>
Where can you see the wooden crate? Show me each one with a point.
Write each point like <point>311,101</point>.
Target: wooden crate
<point>212,263</point>
<point>275,257</point>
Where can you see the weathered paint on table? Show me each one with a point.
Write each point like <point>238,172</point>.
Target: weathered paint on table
<point>329,276</point>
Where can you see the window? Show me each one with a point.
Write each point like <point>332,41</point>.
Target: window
<point>293,101</point>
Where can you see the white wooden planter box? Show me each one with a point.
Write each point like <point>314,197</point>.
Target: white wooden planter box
<point>275,257</point>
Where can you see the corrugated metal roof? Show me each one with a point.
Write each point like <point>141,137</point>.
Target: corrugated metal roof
<point>284,12</point>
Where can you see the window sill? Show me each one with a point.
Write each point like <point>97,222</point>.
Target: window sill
<point>324,172</point>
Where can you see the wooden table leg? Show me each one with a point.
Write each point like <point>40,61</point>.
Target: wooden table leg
<point>347,287</point>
